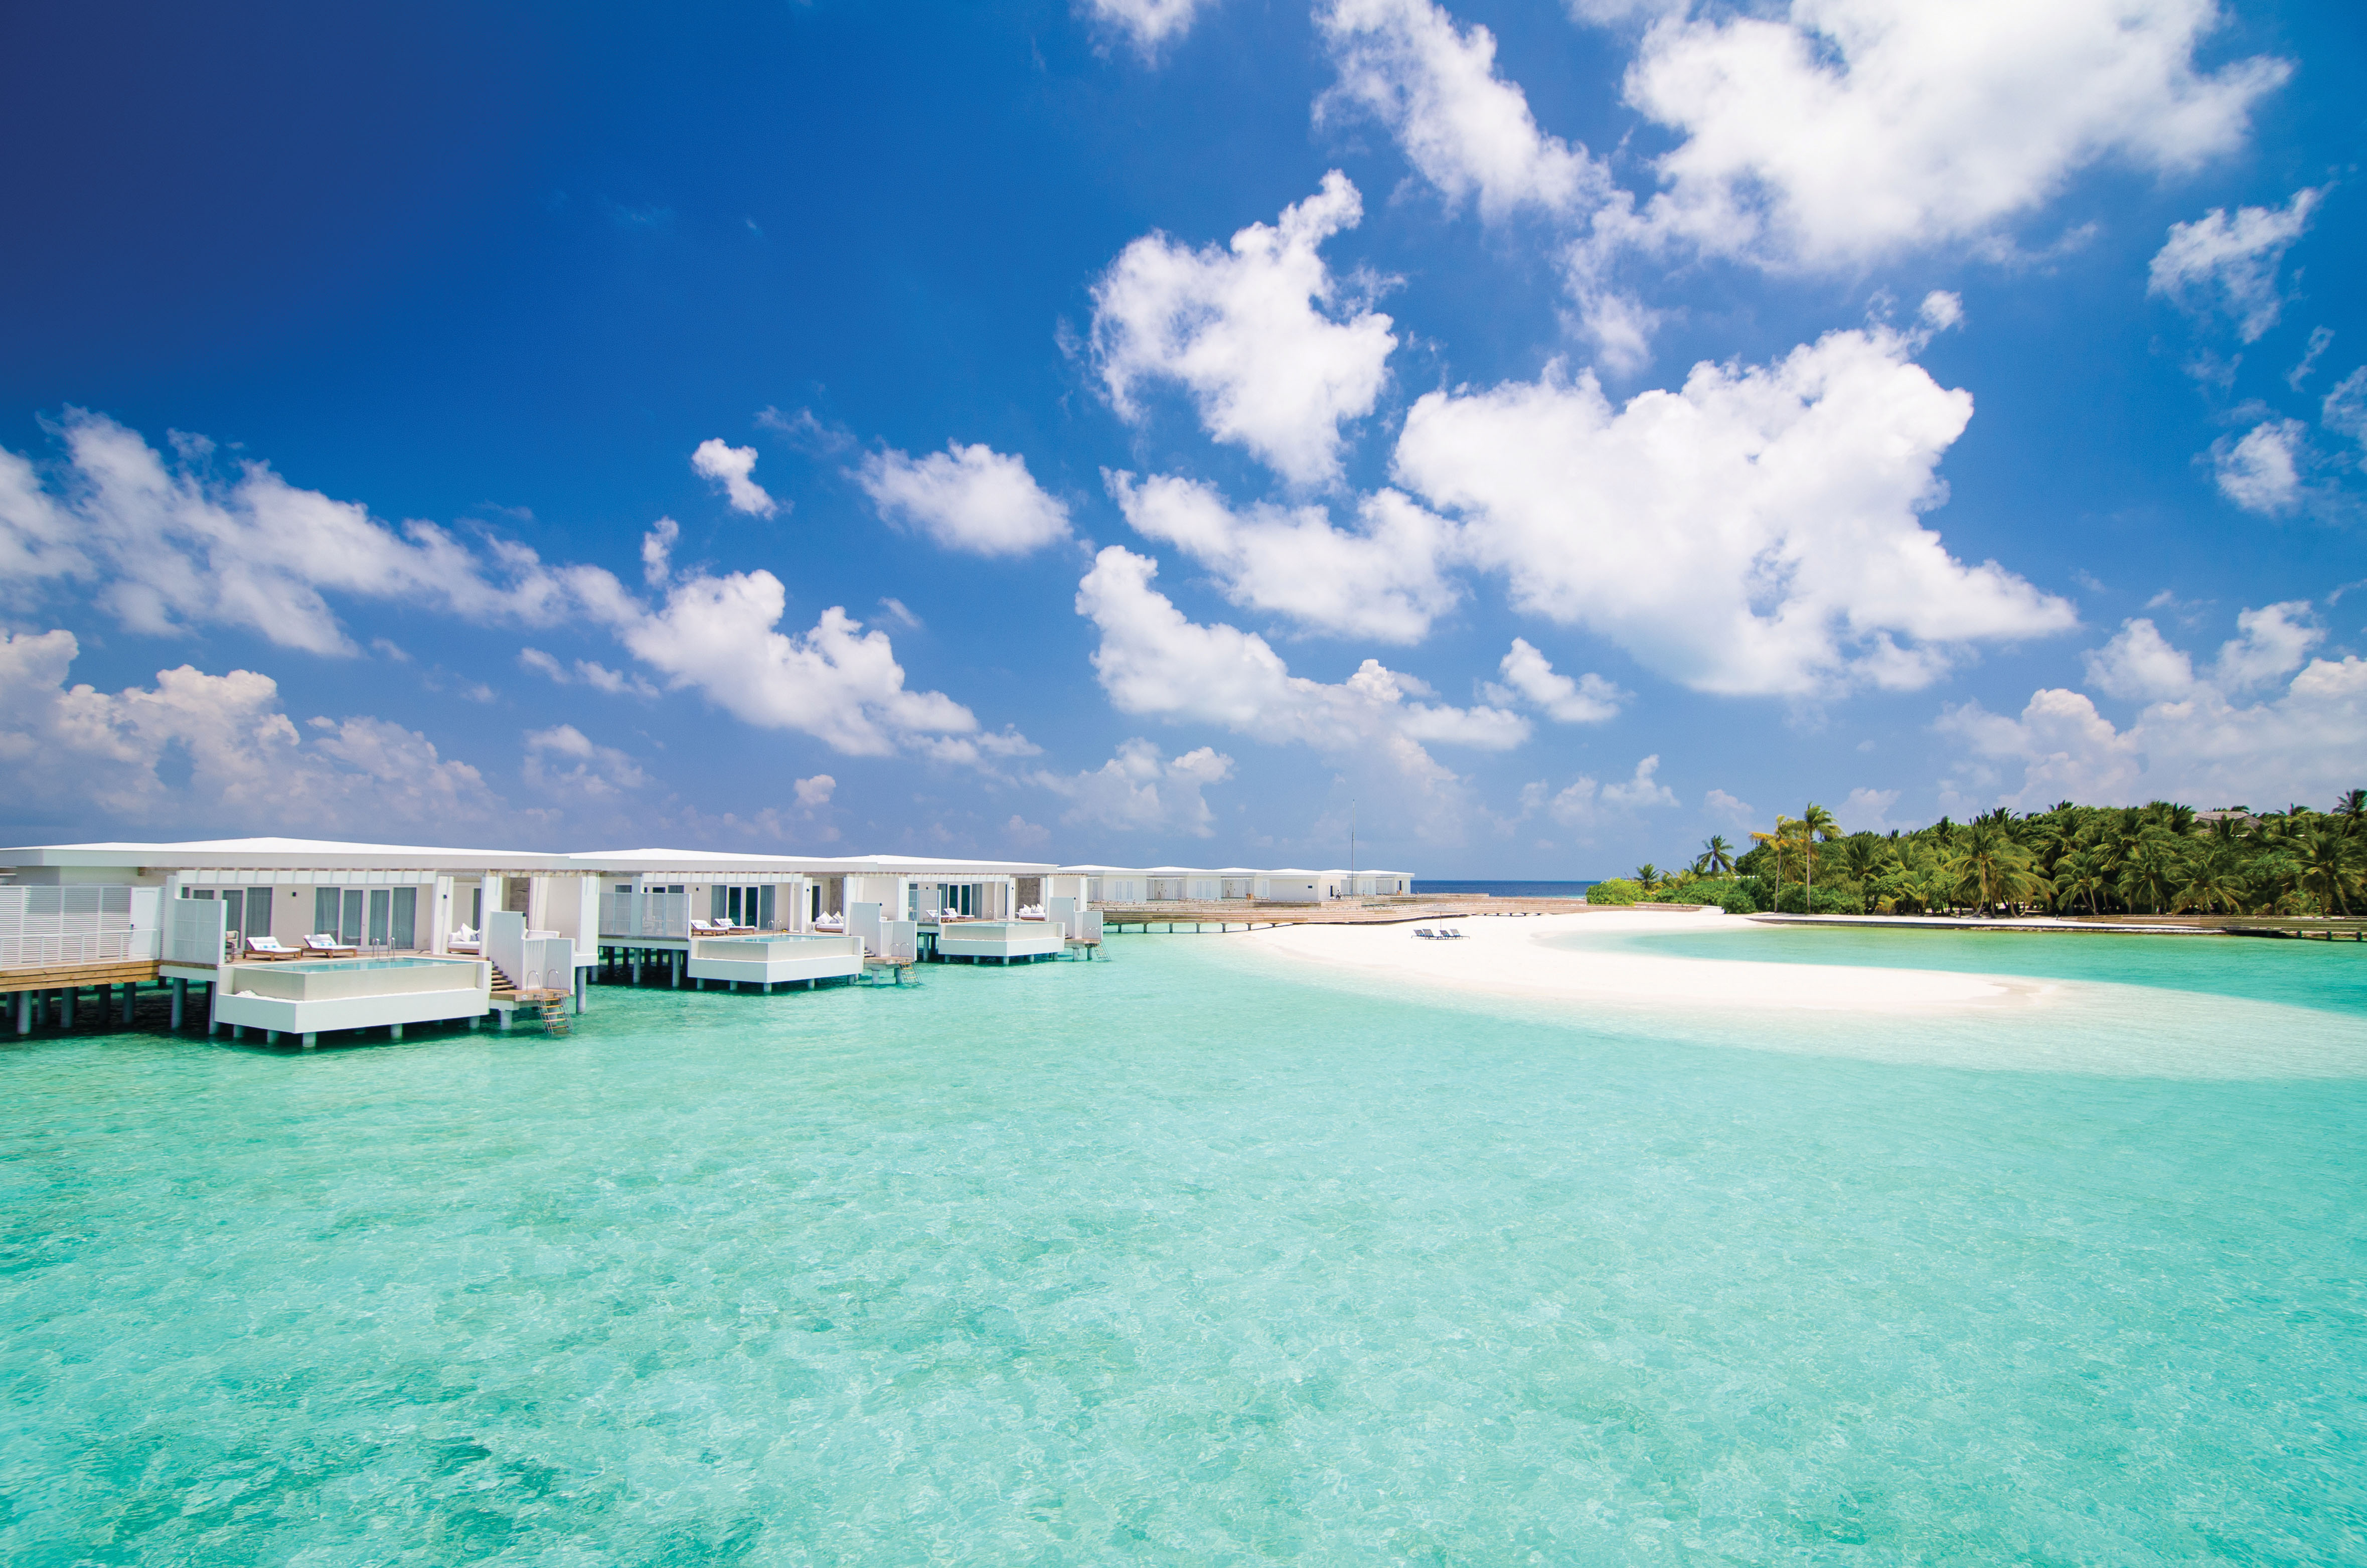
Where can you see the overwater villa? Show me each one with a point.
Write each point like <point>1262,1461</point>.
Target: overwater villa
<point>302,937</point>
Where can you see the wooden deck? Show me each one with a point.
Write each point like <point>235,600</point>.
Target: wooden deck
<point>107,971</point>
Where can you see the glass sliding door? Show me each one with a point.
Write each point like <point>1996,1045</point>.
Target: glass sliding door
<point>324,911</point>
<point>406,918</point>
<point>765,906</point>
<point>349,916</point>
<point>381,901</point>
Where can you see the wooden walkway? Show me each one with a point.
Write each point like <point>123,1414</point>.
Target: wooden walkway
<point>105,972</point>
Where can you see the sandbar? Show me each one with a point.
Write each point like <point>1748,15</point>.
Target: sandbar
<point>1509,957</point>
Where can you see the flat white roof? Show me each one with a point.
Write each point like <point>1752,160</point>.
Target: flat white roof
<point>279,854</point>
<point>694,860</point>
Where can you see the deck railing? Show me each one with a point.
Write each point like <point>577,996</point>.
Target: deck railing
<point>43,927</point>
<point>630,913</point>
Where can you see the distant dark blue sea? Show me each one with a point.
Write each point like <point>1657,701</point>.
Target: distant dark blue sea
<point>1511,890</point>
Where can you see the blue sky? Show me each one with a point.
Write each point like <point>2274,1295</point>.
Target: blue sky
<point>1133,431</point>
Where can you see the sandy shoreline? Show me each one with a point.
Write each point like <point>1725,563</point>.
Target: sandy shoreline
<point>1510,957</point>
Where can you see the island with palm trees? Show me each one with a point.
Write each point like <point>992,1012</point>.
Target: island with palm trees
<point>2070,859</point>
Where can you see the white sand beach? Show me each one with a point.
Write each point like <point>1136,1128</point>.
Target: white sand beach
<point>1514,958</point>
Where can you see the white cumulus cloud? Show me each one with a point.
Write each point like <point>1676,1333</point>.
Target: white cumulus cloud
<point>2230,264</point>
<point>727,468</point>
<point>1139,790</point>
<point>167,547</point>
<point>2261,471</point>
<point>1586,801</point>
<point>1465,128</point>
<point>1381,581</point>
<point>564,762</point>
<point>2202,739</point>
<point>836,681</point>
<point>1829,133</point>
<point>1149,23</point>
<point>1152,660</point>
<point>172,547</point>
<point>968,499</point>
<point>1867,811</point>
<point>241,763</point>
<point>1528,674</point>
<point>1247,332</point>
<point>1756,532</point>
<point>2344,410</point>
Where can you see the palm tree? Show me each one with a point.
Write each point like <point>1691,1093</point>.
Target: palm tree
<point>2351,807</point>
<point>1716,856</point>
<point>1815,823</point>
<point>2328,861</point>
<point>2215,879</point>
<point>1991,866</point>
<point>1774,841</point>
<point>1649,876</point>
<point>2150,870</point>
<point>2081,875</point>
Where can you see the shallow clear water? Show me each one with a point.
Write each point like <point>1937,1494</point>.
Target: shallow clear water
<point>1170,1259</point>
<point>2331,976</point>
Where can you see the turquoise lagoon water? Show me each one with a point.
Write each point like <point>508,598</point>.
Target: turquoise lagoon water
<point>2329,976</point>
<point>1175,1260</point>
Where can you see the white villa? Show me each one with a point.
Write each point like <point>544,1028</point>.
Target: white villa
<point>303,937</point>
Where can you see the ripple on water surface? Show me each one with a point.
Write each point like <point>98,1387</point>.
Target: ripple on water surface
<point>1163,1260</point>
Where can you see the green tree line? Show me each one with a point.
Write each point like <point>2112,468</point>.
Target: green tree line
<point>2160,858</point>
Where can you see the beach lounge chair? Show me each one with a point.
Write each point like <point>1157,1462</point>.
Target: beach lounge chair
<point>269,947</point>
<point>1425,931</point>
<point>326,945</point>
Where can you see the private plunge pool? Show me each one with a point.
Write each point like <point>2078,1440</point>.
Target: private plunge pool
<point>325,980</point>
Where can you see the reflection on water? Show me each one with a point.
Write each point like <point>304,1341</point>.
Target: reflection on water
<point>1170,1260</point>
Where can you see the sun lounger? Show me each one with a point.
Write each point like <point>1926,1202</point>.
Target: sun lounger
<point>269,947</point>
<point>1424,931</point>
<point>324,945</point>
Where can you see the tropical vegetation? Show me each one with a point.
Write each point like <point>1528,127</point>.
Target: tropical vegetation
<point>2160,858</point>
